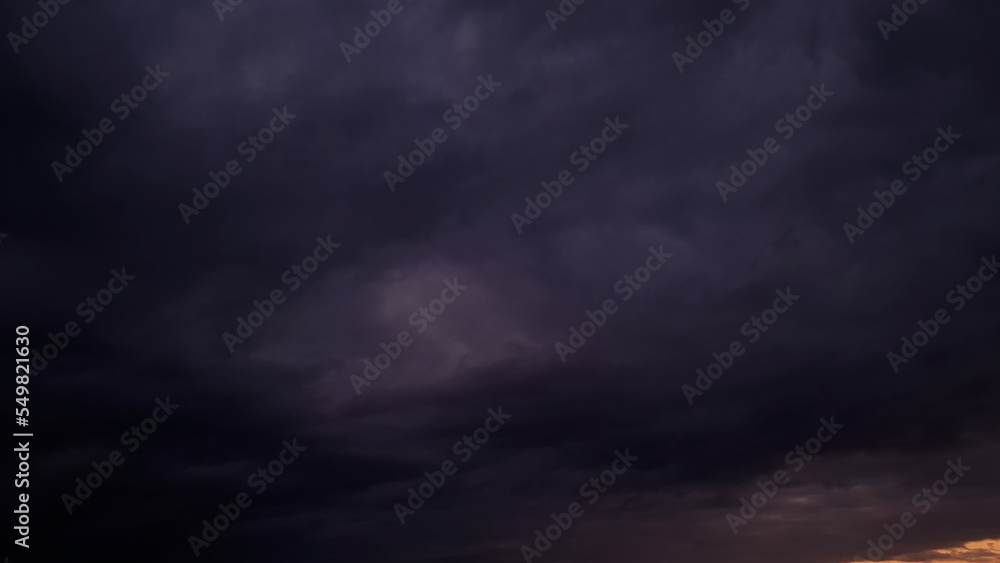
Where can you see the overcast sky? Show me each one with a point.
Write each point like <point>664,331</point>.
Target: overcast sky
<point>481,296</point>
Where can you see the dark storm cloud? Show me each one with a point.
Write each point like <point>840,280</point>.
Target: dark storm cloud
<point>656,185</point>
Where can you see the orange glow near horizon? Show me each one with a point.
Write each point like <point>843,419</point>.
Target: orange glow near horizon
<point>984,551</point>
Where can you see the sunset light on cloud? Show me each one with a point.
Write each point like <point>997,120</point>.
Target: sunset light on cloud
<point>984,551</point>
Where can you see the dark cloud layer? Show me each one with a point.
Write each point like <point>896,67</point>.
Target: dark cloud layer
<point>494,346</point>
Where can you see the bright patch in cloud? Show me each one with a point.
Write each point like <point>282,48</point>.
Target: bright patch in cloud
<point>985,551</point>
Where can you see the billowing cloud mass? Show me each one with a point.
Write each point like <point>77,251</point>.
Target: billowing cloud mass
<point>454,281</point>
